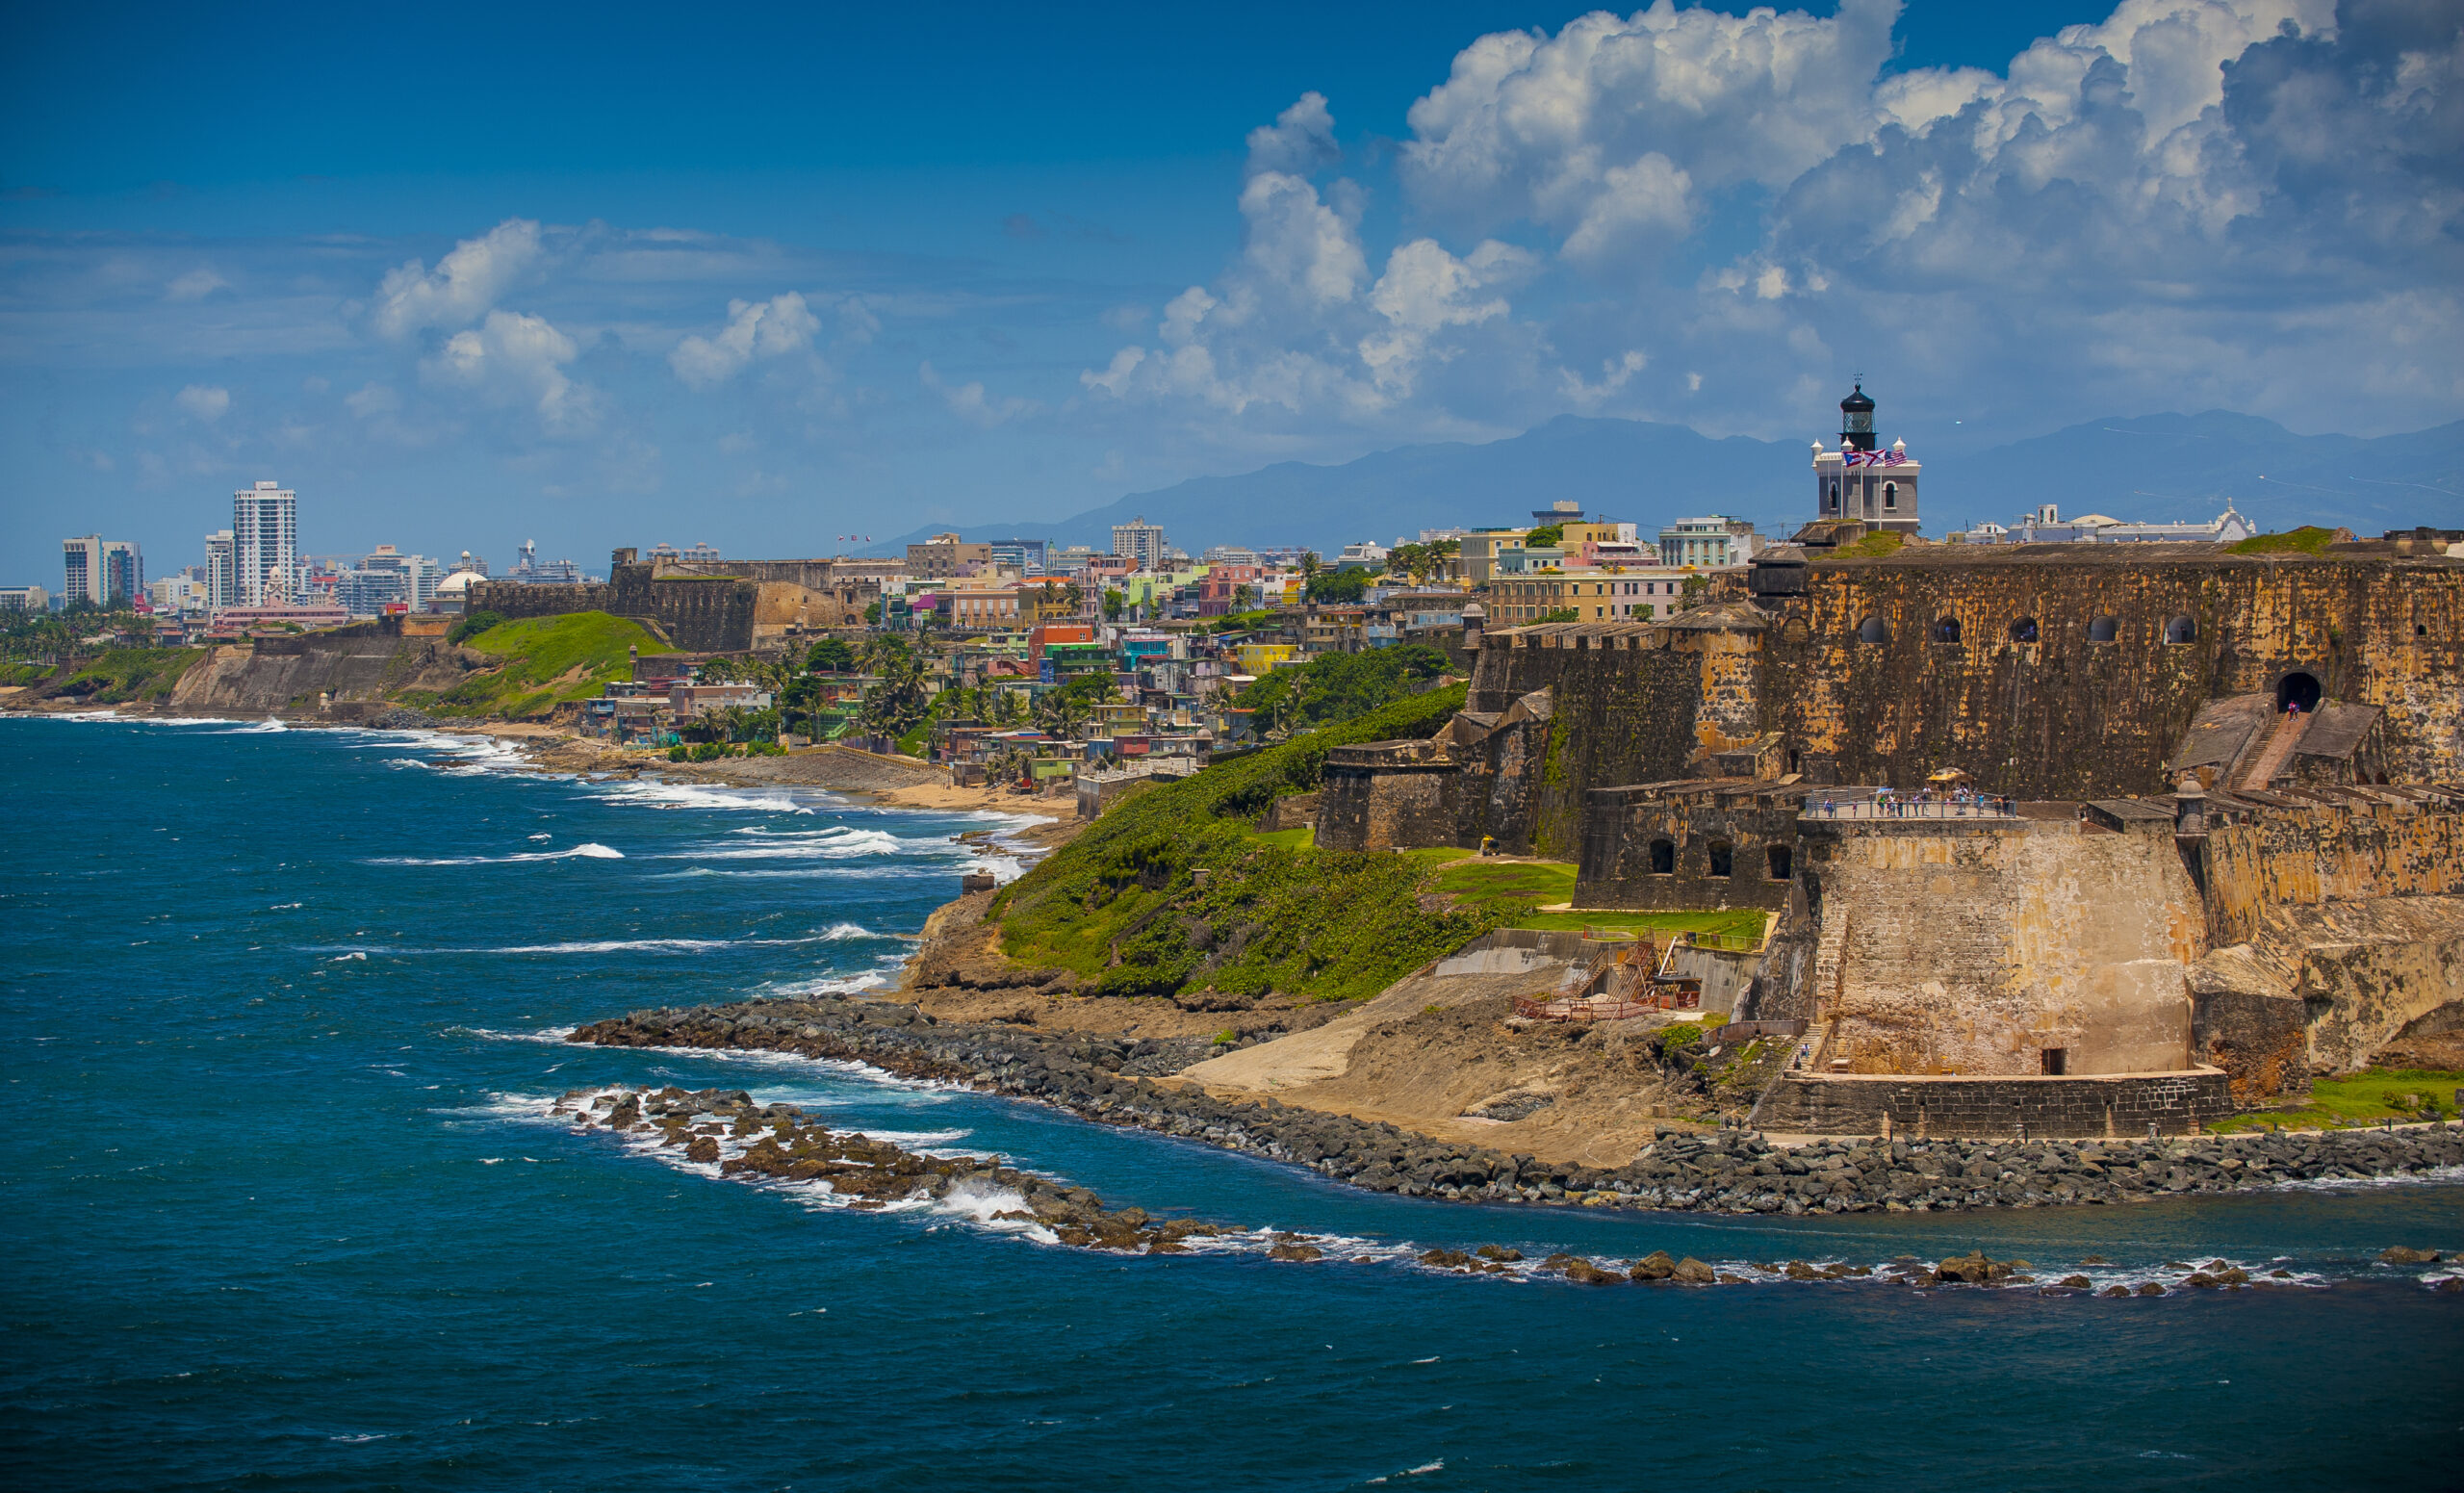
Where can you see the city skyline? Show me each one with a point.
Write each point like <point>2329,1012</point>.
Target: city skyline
<point>953,295</point>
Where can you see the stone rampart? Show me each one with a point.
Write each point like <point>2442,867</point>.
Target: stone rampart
<point>2329,845</point>
<point>2070,671</point>
<point>697,614</point>
<point>2113,1108</point>
<point>1719,842</point>
<point>2001,948</point>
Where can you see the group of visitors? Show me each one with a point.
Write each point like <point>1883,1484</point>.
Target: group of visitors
<point>1924,803</point>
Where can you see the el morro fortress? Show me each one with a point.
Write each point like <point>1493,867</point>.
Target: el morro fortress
<point>2197,831</point>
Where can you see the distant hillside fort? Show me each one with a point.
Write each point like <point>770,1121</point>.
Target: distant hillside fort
<point>2192,825</point>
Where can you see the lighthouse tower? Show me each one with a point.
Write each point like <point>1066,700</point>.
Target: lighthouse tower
<point>1858,480</point>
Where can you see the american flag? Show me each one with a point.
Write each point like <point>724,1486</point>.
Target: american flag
<point>1891,459</point>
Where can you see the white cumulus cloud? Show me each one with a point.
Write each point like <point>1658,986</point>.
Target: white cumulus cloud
<point>756,329</point>
<point>518,360</point>
<point>466,283</point>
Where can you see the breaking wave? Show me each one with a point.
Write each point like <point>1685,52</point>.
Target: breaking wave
<point>593,851</point>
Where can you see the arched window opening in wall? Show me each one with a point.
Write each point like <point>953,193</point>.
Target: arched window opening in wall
<point>1872,631</point>
<point>1776,862</point>
<point>1891,497</point>
<point>2024,631</point>
<point>2104,629</point>
<point>1835,495</point>
<point>1664,858</point>
<point>2181,630</point>
<point>1796,763</point>
<point>1723,858</point>
<point>2297,690</point>
<point>1946,629</point>
<point>2420,630</point>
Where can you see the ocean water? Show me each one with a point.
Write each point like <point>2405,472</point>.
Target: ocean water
<point>284,1211</point>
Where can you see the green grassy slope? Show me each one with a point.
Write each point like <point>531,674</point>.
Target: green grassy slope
<point>1122,905</point>
<point>543,662</point>
<point>119,675</point>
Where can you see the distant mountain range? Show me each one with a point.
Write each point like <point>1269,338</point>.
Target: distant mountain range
<point>2161,467</point>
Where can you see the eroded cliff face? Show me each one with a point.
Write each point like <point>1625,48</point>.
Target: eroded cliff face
<point>293,673</point>
<point>1980,951</point>
<point>2349,977</point>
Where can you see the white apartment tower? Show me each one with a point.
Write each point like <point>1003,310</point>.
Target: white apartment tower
<point>265,543</point>
<point>221,574</point>
<point>1141,541</point>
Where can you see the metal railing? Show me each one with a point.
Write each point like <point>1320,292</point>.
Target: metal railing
<point>1893,809</point>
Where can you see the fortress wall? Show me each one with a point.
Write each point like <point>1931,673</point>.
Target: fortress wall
<point>699,614</point>
<point>1621,824</point>
<point>1618,716</point>
<point>2067,717</point>
<point>1385,807</point>
<point>2322,853</point>
<point>1973,948</point>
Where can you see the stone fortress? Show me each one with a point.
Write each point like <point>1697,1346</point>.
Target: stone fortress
<point>2210,840</point>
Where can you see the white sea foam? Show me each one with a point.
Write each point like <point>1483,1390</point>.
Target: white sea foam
<point>592,851</point>
<point>833,845</point>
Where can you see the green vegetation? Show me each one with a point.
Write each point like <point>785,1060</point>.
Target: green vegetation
<point>1560,614</point>
<point>119,674</point>
<point>1341,587</point>
<point>1545,536</point>
<point>2308,539</point>
<point>1336,687</point>
<point>2404,1094</point>
<point>543,662</point>
<point>829,655</point>
<point>471,626</point>
<point>1121,905</point>
<point>1511,891</point>
<point>712,751</point>
<point>1242,622</point>
<point>1874,546</point>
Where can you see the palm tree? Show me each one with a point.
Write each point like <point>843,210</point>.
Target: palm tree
<point>1310,566</point>
<point>1242,595</point>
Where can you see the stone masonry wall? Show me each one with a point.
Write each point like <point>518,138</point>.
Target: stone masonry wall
<point>1622,826</point>
<point>2313,854</point>
<point>1973,948</point>
<point>2117,1107</point>
<point>699,615</point>
<point>2064,716</point>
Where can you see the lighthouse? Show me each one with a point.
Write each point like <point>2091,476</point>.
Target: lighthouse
<point>1861,480</point>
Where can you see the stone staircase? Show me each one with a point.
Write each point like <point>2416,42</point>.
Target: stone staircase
<point>2277,753</point>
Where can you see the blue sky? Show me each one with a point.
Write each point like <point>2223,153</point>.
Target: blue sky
<point>614,275</point>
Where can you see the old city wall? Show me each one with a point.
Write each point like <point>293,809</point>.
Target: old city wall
<point>1977,948</point>
<point>1386,796</point>
<point>1660,845</point>
<point>2313,854</point>
<point>697,614</point>
<point>1623,709</point>
<point>2321,989</point>
<point>2069,716</point>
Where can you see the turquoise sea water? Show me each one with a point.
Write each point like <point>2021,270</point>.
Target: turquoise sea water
<point>284,1211</point>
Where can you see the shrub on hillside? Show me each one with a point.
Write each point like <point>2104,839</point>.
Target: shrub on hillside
<point>473,626</point>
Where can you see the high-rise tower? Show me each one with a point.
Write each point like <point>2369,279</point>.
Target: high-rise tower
<point>265,543</point>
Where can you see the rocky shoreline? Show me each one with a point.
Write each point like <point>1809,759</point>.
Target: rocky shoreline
<point>1720,1172</point>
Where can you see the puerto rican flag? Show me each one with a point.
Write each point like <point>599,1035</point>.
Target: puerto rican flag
<point>1876,458</point>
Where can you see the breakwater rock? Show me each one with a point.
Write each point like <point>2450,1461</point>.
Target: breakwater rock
<point>781,1143</point>
<point>1725,1171</point>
